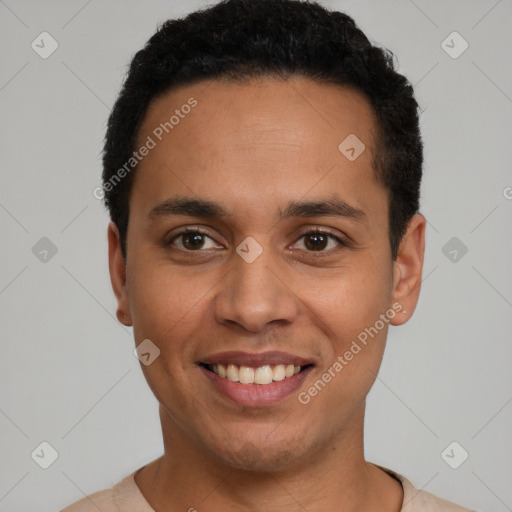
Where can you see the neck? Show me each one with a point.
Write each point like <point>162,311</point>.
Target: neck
<point>333,477</point>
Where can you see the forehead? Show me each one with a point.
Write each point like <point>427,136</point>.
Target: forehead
<point>262,110</point>
<point>260,136</point>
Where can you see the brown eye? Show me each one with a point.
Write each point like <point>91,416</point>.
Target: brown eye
<point>192,240</point>
<point>316,241</point>
<point>319,241</point>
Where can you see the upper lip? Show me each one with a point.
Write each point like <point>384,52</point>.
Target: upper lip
<point>255,360</point>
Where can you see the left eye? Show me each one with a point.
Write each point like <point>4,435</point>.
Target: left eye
<point>318,241</point>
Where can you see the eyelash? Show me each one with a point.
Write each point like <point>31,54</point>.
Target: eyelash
<point>316,231</point>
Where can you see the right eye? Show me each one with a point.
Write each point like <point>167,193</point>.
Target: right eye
<point>190,240</point>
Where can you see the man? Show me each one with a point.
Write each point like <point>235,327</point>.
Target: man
<point>262,169</point>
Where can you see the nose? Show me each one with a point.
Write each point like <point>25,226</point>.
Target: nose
<point>255,294</point>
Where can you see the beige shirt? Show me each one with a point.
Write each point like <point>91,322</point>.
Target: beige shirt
<point>125,496</point>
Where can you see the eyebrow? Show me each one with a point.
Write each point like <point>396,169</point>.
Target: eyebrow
<point>189,207</point>
<point>331,207</point>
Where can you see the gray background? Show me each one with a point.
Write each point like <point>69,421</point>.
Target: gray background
<point>68,375</point>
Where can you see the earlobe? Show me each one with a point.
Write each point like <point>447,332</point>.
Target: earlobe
<point>407,269</point>
<point>117,268</point>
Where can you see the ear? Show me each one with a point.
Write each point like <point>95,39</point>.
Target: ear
<point>407,269</point>
<point>117,270</point>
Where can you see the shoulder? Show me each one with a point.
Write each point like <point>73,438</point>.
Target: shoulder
<point>102,500</point>
<point>417,500</point>
<point>422,501</point>
<point>122,497</point>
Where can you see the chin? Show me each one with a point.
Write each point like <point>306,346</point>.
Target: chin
<point>257,457</point>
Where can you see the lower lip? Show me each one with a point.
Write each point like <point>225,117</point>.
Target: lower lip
<point>257,395</point>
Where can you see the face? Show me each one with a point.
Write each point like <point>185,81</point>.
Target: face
<point>254,242</point>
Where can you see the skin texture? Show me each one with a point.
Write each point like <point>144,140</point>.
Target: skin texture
<point>252,147</point>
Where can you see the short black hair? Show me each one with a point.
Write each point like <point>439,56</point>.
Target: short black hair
<point>240,39</point>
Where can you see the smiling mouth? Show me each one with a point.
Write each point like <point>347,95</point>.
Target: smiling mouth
<point>262,375</point>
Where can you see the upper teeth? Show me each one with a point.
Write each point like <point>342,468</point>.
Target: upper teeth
<point>261,375</point>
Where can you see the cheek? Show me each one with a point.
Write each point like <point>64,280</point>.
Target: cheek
<point>350,309</point>
<point>355,297</point>
<point>352,364</point>
<point>169,308</point>
<point>162,299</point>
<point>358,333</point>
